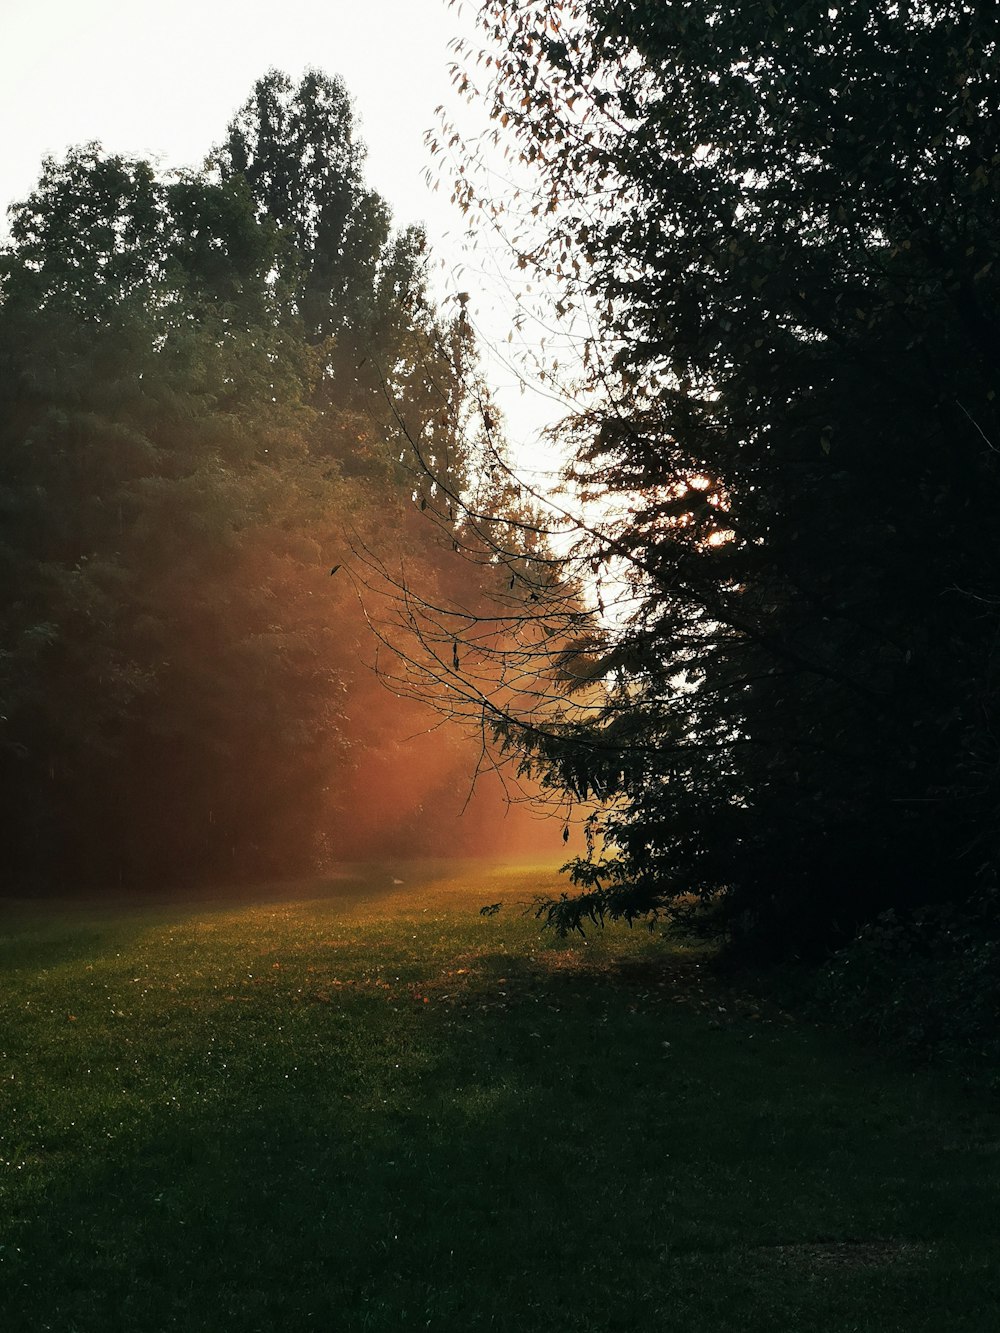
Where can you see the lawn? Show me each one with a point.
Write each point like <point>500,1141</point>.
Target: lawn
<point>361,1105</point>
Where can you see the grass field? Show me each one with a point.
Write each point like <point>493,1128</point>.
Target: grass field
<point>361,1105</point>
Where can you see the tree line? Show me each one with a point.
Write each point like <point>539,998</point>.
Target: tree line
<point>208,380</point>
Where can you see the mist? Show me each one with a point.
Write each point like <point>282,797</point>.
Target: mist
<point>210,395</point>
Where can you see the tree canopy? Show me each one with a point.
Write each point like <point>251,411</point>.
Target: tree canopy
<point>783,218</point>
<point>207,385</point>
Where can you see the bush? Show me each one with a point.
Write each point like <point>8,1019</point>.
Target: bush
<point>926,984</point>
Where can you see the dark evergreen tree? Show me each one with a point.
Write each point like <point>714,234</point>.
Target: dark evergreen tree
<point>785,218</point>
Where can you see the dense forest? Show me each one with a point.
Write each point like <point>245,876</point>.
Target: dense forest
<point>210,382</point>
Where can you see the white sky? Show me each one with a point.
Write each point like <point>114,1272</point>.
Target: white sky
<point>162,79</point>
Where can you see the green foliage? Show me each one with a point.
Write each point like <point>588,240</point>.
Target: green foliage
<point>783,220</point>
<point>296,151</point>
<point>357,288</point>
<point>205,383</point>
<point>151,472</point>
<point>100,231</point>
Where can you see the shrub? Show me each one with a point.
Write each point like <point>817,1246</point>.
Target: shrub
<point>926,984</point>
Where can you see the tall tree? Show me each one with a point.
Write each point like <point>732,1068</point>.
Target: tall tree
<point>785,219</point>
<point>297,150</point>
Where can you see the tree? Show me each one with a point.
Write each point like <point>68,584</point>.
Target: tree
<point>151,432</point>
<point>297,151</point>
<point>358,287</point>
<point>784,220</point>
<point>204,386</point>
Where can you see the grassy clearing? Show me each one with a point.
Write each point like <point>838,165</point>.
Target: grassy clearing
<point>363,1106</point>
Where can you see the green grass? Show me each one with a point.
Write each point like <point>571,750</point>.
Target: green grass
<point>360,1106</point>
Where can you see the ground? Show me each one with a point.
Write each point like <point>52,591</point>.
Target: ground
<point>361,1104</point>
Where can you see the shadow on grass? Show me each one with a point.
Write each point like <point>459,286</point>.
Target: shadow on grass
<point>497,1142</point>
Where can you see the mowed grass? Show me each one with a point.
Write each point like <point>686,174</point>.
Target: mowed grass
<point>362,1105</point>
